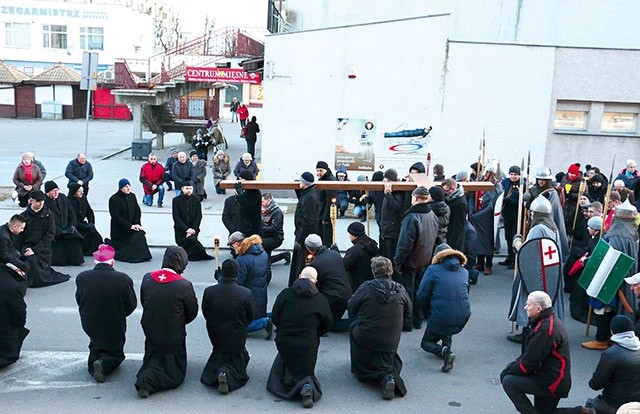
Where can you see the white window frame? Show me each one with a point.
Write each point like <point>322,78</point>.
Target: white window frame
<point>17,35</point>
<point>87,35</point>
<point>54,36</point>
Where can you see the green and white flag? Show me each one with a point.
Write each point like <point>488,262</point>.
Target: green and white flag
<point>605,270</point>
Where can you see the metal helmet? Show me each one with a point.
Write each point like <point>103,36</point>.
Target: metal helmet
<point>540,204</point>
<point>544,173</point>
<point>200,131</point>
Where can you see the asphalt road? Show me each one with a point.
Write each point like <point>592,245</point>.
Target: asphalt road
<point>51,376</point>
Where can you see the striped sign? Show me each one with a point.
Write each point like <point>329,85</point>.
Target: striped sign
<point>604,272</point>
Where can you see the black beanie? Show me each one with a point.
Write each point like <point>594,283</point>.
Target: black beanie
<point>230,269</point>
<point>437,193</point>
<point>356,229</point>
<point>391,174</point>
<point>621,323</point>
<point>514,169</point>
<point>49,185</point>
<point>323,165</point>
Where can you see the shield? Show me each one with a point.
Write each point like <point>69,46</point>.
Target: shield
<point>497,215</point>
<point>539,267</point>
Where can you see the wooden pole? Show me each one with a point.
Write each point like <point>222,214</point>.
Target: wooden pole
<point>606,198</point>
<point>589,319</point>
<point>518,229</point>
<point>216,244</point>
<point>583,186</point>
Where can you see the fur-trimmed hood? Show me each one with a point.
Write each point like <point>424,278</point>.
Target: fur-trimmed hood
<point>444,254</point>
<point>225,159</point>
<point>248,243</point>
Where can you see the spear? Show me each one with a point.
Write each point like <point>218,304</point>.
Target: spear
<point>518,229</point>
<point>525,225</point>
<point>476,196</point>
<point>606,198</point>
<point>583,186</point>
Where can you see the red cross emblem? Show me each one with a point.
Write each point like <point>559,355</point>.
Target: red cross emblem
<point>549,253</point>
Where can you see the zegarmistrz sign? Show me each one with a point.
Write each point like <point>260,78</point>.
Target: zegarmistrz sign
<point>227,75</point>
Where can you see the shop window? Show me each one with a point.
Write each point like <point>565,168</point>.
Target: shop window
<point>17,35</point>
<point>576,120</point>
<point>92,38</point>
<point>618,122</point>
<point>54,36</point>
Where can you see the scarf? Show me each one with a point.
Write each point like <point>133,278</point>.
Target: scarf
<point>28,173</point>
<point>456,194</point>
<point>267,211</point>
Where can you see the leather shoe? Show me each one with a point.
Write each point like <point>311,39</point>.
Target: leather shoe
<point>223,383</point>
<point>448,357</point>
<point>389,388</point>
<point>487,270</point>
<point>506,262</point>
<point>287,258</point>
<point>596,345</point>
<point>98,372</point>
<point>307,396</point>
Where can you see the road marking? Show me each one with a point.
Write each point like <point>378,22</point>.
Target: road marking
<point>42,370</point>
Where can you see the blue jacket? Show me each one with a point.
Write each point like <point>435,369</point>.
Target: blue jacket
<point>444,292</point>
<point>253,272</point>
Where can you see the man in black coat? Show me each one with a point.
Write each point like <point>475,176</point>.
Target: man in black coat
<point>186,210</point>
<point>544,367</point>
<point>390,215</point>
<point>333,279</point>
<point>228,308</point>
<point>169,304</point>
<point>511,188</point>
<point>272,229</point>
<point>326,198</point>
<point>302,317</point>
<point>68,243</point>
<point>9,254</point>
<point>454,197</point>
<point>85,219</point>
<point>127,235</point>
<point>182,170</point>
<point>250,207</point>
<point>415,246</point>
<point>305,220</point>
<point>380,306</point>
<point>357,259</point>
<point>35,243</point>
<point>230,213</point>
<point>80,171</point>
<point>13,312</point>
<point>105,298</point>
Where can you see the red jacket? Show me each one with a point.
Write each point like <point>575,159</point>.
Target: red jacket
<point>150,175</point>
<point>243,112</point>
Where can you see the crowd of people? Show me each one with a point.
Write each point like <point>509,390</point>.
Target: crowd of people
<point>433,242</point>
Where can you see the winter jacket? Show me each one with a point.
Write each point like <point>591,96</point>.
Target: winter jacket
<point>252,131</point>
<point>444,293</point>
<point>249,218</point>
<point>305,218</point>
<point>273,226</point>
<point>20,180</point>
<point>333,279</point>
<point>325,197</point>
<point>221,169</point>
<point>441,210</point>
<point>357,260</point>
<point>125,212</point>
<point>630,180</point>
<point>187,214</point>
<point>545,355</point>
<point>38,233</point>
<point>200,172</point>
<point>380,306</point>
<point>391,215</point>
<point>457,219</point>
<point>181,172</point>
<point>151,174</point>
<point>510,199</point>
<point>417,238</point>
<point>76,172</point>
<point>618,375</point>
<point>253,264</point>
<point>230,213</point>
<point>241,167</point>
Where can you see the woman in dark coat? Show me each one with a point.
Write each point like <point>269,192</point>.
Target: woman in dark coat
<point>251,135</point>
<point>127,235</point>
<point>228,308</point>
<point>169,304</point>
<point>302,316</point>
<point>85,219</point>
<point>27,177</point>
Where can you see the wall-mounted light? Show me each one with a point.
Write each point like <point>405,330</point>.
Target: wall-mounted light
<point>352,72</point>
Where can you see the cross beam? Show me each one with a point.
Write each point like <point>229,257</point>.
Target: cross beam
<point>351,185</point>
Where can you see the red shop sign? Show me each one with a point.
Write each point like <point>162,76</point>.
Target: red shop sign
<point>195,74</point>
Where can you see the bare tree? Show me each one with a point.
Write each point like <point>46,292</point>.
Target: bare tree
<point>209,25</point>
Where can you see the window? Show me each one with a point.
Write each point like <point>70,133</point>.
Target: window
<point>17,35</point>
<point>570,120</point>
<point>92,38</point>
<point>54,36</point>
<point>618,122</point>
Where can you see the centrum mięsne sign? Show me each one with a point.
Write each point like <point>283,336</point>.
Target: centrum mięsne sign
<point>195,74</point>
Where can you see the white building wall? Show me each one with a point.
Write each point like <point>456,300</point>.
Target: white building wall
<point>306,87</point>
<point>7,95</point>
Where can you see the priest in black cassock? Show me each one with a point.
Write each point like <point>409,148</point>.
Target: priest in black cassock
<point>169,304</point>
<point>9,253</point>
<point>105,298</point>
<point>68,242</point>
<point>228,309</point>
<point>187,215</point>
<point>85,219</point>
<point>127,235</point>
<point>13,312</point>
<point>35,243</point>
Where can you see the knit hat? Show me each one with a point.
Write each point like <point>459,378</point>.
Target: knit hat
<point>123,182</point>
<point>246,157</point>
<point>514,169</point>
<point>630,163</point>
<point>37,195</point>
<point>573,169</point>
<point>595,223</point>
<point>230,269</point>
<point>323,165</point>
<point>474,166</point>
<point>462,175</point>
<point>219,153</point>
<point>621,323</point>
<point>377,176</point>
<point>306,178</point>
<point>50,185</point>
<point>418,166</point>
<point>313,242</point>
<point>236,236</point>
<point>174,150</point>
<point>356,229</point>
<point>391,174</point>
<point>192,153</point>
<point>247,175</point>
<point>187,183</point>
<point>441,247</point>
<point>437,193</point>
<point>420,191</point>
<point>104,253</point>
<point>73,188</point>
